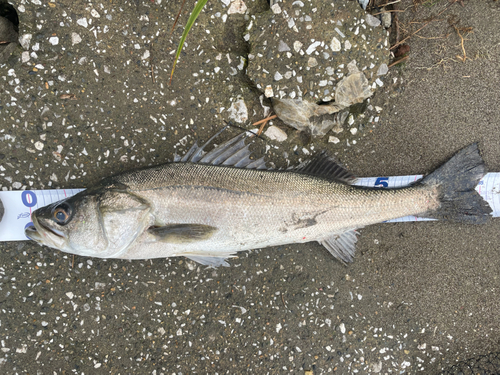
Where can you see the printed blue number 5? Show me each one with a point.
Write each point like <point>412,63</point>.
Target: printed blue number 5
<point>382,182</point>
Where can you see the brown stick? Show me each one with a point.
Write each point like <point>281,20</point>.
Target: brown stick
<point>461,43</point>
<point>176,18</point>
<point>265,120</point>
<point>399,61</point>
<point>388,11</point>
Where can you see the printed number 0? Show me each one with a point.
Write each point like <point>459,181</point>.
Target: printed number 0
<point>382,182</point>
<point>28,198</point>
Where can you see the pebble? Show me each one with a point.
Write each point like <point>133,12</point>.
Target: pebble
<point>276,134</point>
<point>372,20</point>
<point>75,38</point>
<point>82,22</point>
<point>335,45</point>
<point>54,40</point>
<point>25,40</point>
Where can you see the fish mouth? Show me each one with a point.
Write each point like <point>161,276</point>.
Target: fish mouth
<point>43,234</point>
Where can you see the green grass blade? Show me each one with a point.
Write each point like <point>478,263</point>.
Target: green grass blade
<point>192,18</point>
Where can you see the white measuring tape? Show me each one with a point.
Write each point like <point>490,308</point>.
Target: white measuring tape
<point>18,205</point>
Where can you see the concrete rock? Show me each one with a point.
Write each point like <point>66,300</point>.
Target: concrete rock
<point>314,59</point>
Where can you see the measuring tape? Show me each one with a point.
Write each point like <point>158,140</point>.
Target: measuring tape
<point>15,215</point>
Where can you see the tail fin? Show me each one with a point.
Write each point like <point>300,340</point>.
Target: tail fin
<point>457,180</point>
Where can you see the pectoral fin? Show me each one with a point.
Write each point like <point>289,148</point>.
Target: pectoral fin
<point>182,233</point>
<point>342,245</point>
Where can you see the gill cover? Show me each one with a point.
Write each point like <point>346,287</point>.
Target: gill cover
<point>123,217</point>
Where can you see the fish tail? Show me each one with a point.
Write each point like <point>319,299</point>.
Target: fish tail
<point>456,181</point>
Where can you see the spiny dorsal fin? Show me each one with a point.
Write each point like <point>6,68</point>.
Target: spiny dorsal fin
<point>234,153</point>
<point>327,167</point>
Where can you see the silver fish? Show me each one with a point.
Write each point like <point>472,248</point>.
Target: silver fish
<point>209,206</point>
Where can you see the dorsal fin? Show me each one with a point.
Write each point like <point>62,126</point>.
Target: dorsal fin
<point>233,152</point>
<point>327,167</point>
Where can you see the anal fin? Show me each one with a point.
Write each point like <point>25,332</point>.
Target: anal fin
<point>212,261</point>
<point>342,245</point>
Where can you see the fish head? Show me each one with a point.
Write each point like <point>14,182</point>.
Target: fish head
<point>102,224</point>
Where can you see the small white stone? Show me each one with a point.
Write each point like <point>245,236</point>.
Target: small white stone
<point>312,62</point>
<point>383,69</point>
<point>347,45</point>
<point>145,55</point>
<point>312,47</point>
<point>39,146</point>
<point>297,46</point>
<point>282,46</point>
<point>276,134</point>
<point>332,139</point>
<point>379,82</point>
<point>25,56</point>
<point>354,131</point>
<point>25,40</point>
<point>268,92</point>
<point>276,8</point>
<point>340,32</point>
<point>350,121</point>
<point>386,19</point>
<point>372,20</point>
<point>335,45</point>
<point>75,38</point>
<point>277,76</point>
<point>82,22</point>
<point>70,295</point>
<point>342,327</point>
<point>94,13</point>
<point>54,40</point>
<point>238,111</point>
<point>237,6</point>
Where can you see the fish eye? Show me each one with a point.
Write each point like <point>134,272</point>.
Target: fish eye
<point>62,214</point>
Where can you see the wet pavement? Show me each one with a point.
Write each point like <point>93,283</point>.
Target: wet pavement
<point>87,96</point>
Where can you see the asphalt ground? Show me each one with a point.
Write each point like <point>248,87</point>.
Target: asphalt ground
<point>419,296</point>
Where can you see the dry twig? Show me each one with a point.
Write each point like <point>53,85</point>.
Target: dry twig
<point>461,43</point>
<point>399,61</point>
<point>176,18</point>
<point>263,122</point>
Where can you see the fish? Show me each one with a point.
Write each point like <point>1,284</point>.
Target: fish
<point>208,206</point>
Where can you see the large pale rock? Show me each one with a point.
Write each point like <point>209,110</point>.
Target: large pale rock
<point>315,58</point>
